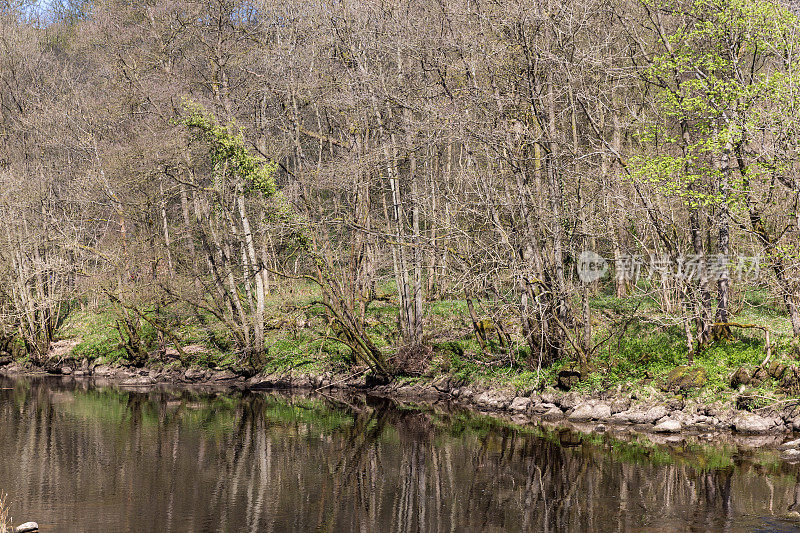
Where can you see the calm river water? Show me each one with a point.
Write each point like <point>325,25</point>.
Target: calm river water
<point>80,459</point>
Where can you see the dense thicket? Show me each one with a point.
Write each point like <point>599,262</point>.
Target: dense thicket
<point>179,160</point>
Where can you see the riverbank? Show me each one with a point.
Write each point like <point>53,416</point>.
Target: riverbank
<point>663,417</point>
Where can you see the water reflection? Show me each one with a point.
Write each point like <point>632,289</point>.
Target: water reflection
<point>76,458</point>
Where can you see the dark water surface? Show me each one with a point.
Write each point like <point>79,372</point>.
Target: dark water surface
<point>78,458</point>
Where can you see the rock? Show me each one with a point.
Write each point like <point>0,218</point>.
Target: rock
<point>619,405</point>
<point>138,381</point>
<point>776,369</point>
<point>554,413</point>
<point>543,408</point>
<point>568,379</point>
<point>492,400</point>
<point>66,371</point>
<point>684,378</point>
<point>752,423</point>
<point>668,426</point>
<point>791,455</point>
<point>600,428</point>
<point>746,376</point>
<point>194,374</point>
<point>520,404</point>
<point>26,527</point>
<point>569,401</point>
<point>587,411</point>
<point>791,444</point>
<point>642,415</point>
<point>550,396</point>
<point>223,375</point>
<point>102,370</point>
<point>790,382</point>
<point>5,360</point>
<point>582,413</point>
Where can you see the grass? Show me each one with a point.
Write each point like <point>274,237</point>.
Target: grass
<point>299,339</point>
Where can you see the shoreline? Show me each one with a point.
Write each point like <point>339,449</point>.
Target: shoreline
<point>670,420</point>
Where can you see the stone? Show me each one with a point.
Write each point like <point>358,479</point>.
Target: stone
<point>791,444</point>
<point>520,404</point>
<point>223,375</point>
<point>102,370</point>
<point>569,401</point>
<point>776,369</point>
<point>619,405</point>
<point>66,371</point>
<point>492,400</point>
<point>5,360</point>
<point>791,455</point>
<point>544,407</point>
<point>554,413</point>
<point>193,374</point>
<point>581,413</point>
<point>790,382</point>
<point>587,411</point>
<point>752,423</point>
<point>668,426</point>
<point>747,376</point>
<point>138,381</point>
<point>550,396</point>
<point>27,527</point>
<point>642,415</point>
<point>684,378</point>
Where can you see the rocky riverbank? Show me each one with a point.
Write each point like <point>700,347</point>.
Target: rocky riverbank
<point>660,415</point>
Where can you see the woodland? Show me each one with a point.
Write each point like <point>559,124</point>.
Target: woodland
<point>403,187</point>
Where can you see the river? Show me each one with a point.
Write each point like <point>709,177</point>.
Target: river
<point>79,458</point>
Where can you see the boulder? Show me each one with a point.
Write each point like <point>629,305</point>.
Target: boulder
<point>27,527</point>
<point>66,371</point>
<point>102,370</point>
<point>642,415</point>
<point>753,423</point>
<point>585,412</point>
<point>520,404</point>
<point>791,444</point>
<point>138,381</point>
<point>554,413</point>
<point>569,401</point>
<point>550,396</point>
<point>684,378</point>
<point>493,400</point>
<point>740,377</point>
<point>619,405</point>
<point>776,369</point>
<point>543,408</point>
<point>5,360</point>
<point>790,382</point>
<point>668,426</point>
<point>194,374</point>
<point>223,375</point>
<point>791,455</point>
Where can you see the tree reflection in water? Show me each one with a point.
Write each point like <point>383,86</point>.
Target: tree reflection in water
<point>78,458</point>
